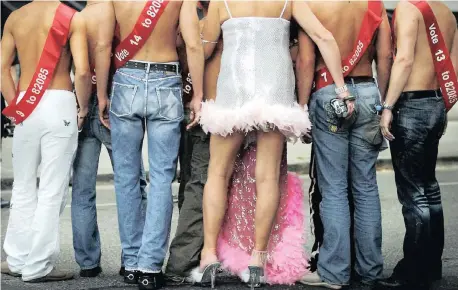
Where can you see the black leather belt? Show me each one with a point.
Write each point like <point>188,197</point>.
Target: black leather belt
<point>153,66</point>
<point>420,94</point>
<point>359,80</point>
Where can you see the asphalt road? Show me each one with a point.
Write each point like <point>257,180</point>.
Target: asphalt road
<point>393,231</point>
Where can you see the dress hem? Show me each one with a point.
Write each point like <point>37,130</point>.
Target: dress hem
<point>293,121</point>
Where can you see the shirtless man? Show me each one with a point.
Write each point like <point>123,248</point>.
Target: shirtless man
<point>147,89</point>
<point>188,241</point>
<point>86,237</point>
<point>48,137</point>
<point>413,94</point>
<point>347,145</point>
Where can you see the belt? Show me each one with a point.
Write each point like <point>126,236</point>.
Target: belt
<point>153,66</point>
<point>359,80</point>
<point>420,94</point>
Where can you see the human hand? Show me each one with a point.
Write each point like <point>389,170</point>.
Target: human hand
<point>350,107</point>
<point>385,124</point>
<point>81,116</point>
<point>104,105</point>
<point>195,106</point>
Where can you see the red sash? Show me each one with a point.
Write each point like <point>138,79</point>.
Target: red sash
<point>443,65</point>
<point>56,39</point>
<point>369,26</point>
<point>139,35</point>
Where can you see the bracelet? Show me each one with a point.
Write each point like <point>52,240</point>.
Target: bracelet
<point>388,107</point>
<point>207,41</point>
<point>341,89</point>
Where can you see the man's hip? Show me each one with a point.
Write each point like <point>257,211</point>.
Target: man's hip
<point>148,90</point>
<point>363,124</point>
<point>419,115</point>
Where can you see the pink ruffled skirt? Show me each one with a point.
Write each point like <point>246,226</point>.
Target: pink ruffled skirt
<point>287,262</point>
<point>292,120</point>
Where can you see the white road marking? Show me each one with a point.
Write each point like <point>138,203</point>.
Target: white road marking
<point>448,183</point>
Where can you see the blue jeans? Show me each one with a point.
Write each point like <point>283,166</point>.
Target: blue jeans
<point>419,120</point>
<point>86,237</point>
<point>346,154</point>
<point>152,97</point>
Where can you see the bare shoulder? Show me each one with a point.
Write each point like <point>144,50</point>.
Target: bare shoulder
<point>406,12</point>
<point>98,10</point>
<point>78,23</point>
<point>11,20</point>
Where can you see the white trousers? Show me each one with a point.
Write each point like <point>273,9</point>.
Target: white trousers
<point>48,137</point>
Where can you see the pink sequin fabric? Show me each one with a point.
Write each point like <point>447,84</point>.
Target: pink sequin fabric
<point>287,261</point>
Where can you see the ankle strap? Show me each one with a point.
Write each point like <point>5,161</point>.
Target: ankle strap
<point>263,256</point>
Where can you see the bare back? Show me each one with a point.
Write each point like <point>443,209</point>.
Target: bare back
<point>343,19</point>
<point>423,76</point>
<point>161,45</point>
<point>30,26</point>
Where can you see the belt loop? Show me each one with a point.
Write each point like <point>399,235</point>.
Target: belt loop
<point>177,69</point>
<point>353,82</point>
<point>148,66</point>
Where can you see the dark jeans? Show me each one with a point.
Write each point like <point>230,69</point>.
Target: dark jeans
<point>86,237</point>
<point>418,124</point>
<point>187,244</point>
<point>184,157</point>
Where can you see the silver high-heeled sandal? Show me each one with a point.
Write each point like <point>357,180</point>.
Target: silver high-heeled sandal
<point>207,276</point>
<point>257,277</point>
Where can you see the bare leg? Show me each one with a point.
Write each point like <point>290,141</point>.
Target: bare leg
<point>268,158</point>
<point>223,151</point>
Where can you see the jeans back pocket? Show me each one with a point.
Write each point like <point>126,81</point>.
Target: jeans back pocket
<point>170,104</point>
<point>122,98</point>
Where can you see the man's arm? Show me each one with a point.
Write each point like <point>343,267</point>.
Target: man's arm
<point>406,38</point>
<point>305,68</point>
<point>384,59</point>
<point>103,46</point>
<point>212,29</point>
<point>323,38</point>
<point>189,26</point>
<point>8,52</point>
<point>102,55</point>
<point>79,50</point>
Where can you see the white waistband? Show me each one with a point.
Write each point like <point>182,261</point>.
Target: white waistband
<point>51,93</point>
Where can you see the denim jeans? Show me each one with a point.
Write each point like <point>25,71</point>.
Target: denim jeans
<point>184,156</point>
<point>189,238</point>
<point>346,154</point>
<point>154,97</point>
<point>418,124</point>
<point>315,198</point>
<point>86,237</point>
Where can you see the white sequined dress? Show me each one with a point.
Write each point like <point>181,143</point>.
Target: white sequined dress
<point>256,83</point>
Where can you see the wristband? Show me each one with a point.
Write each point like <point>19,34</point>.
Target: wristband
<point>387,107</point>
<point>341,89</point>
<point>208,41</point>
